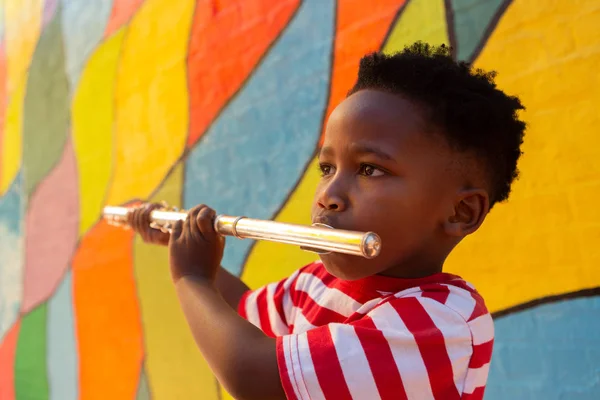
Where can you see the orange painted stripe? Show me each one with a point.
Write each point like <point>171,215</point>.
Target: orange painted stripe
<point>228,39</point>
<point>107,315</point>
<point>361,28</point>
<point>121,12</point>
<point>8,351</point>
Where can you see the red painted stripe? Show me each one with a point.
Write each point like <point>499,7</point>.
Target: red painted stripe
<point>436,292</point>
<point>284,373</point>
<point>8,352</point>
<point>263,313</point>
<point>243,304</point>
<point>432,346</point>
<point>479,310</point>
<point>226,45</point>
<point>327,364</point>
<point>476,395</point>
<point>312,311</point>
<point>278,295</point>
<point>482,354</point>
<point>381,360</point>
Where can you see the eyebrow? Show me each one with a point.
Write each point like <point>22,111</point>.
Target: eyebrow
<point>360,149</point>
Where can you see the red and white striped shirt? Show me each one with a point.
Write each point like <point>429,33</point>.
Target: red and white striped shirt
<point>375,338</point>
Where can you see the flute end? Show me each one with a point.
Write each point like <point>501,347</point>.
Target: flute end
<point>371,245</point>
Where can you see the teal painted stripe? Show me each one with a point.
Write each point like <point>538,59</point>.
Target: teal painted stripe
<point>471,21</point>
<point>62,346</point>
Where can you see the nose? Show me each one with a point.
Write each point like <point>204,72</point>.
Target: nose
<point>332,197</point>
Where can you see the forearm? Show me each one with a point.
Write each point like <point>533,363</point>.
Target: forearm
<point>230,286</point>
<point>242,357</point>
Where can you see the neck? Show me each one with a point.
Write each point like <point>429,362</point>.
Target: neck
<point>415,268</point>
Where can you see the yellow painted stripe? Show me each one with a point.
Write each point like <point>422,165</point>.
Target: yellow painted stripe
<point>423,20</point>
<point>151,98</point>
<point>544,241</point>
<point>92,119</point>
<point>22,26</point>
<point>175,367</point>
<point>12,143</point>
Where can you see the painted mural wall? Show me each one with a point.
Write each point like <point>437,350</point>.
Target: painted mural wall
<point>223,102</point>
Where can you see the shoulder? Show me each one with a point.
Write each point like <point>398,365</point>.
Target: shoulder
<point>454,302</point>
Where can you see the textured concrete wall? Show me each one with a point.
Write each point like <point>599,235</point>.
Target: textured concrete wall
<point>223,102</point>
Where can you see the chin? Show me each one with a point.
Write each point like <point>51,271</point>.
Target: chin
<point>344,266</point>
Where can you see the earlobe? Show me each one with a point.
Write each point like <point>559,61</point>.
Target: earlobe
<point>470,211</point>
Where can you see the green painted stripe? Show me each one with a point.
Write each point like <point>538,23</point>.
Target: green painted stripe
<point>31,380</point>
<point>143,392</point>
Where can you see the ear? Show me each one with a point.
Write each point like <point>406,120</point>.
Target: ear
<point>470,209</point>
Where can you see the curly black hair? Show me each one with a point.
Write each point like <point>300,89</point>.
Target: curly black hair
<point>460,102</point>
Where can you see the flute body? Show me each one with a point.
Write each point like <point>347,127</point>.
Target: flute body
<point>317,238</point>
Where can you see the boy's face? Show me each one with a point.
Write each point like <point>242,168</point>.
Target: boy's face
<point>383,173</point>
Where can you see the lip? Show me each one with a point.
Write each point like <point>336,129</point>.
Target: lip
<point>322,219</point>
<point>325,220</point>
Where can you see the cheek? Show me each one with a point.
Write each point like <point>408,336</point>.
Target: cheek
<point>395,208</point>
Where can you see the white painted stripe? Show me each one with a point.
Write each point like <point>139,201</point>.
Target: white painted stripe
<point>252,308</point>
<point>405,352</point>
<point>369,305</point>
<point>288,350</point>
<point>457,337</point>
<point>287,284</point>
<point>277,324</point>
<point>410,292</point>
<point>307,369</point>
<point>300,322</point>
<point>476,377</point>
<point>288,307</point>
<point>353,360</point>
<point>461,301</point>
<point>482,329</point>
<point>326,297</point>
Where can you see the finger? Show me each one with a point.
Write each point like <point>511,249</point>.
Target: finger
<point>131,216</point>
<point>204,221</point>
<point>189,221</point>
<point>147,213</point>
<point>136,225</point>
<point>157,235</point>
<point>193,218</point>
<point>176,230</point>
<point>142,221</point>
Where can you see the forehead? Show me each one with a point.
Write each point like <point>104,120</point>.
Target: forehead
<point>380,119</point>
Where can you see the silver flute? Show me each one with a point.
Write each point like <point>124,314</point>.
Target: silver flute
<point>318,238</point>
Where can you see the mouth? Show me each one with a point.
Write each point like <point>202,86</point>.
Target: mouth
<point>323,220</point>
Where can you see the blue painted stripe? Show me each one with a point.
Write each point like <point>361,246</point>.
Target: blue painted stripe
<point>61,344</point>
<point>11,255</point>
<point>10,205</point>
<point>254,154</point>
<point>83,24</point>
<point>549,352</point>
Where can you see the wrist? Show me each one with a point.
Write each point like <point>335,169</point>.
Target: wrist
<point>194,277</point>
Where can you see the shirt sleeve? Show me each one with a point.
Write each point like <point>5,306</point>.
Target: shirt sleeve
<point>269,306</point>
<point>406,348</point>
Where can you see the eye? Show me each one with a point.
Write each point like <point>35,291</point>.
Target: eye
<point>370,170</point>
<point>326,169</point>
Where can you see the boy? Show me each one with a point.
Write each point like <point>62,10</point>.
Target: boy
<point>419,152</point>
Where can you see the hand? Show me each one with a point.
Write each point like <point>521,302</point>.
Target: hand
<point>195,248</point>
<point>139,220</point>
